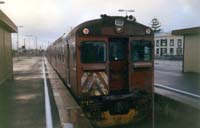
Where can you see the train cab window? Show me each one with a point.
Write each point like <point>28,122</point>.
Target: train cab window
<point>93,52</point>
<point>141,50</point>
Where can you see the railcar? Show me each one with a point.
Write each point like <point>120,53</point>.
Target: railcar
<point>108,65</point>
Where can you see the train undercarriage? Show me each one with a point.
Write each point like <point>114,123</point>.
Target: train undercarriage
<point>117,110</point>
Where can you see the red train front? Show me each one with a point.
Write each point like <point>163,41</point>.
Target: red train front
<point>108,65</point>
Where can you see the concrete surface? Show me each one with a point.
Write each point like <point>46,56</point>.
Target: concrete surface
<point>169,73</point>
<point>70,113</point>
<point>22,99</point>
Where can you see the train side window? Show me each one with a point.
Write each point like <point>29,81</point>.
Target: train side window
<point>141,50</point>
<point>93,52</point>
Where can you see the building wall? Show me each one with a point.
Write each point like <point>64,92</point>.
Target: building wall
<point>6,67</point>
<point>167,36</point>
<point>192,53</point>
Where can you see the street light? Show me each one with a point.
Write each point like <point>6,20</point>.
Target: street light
<point>29,40</point>
<point>36,45</point>
<point>18,39</point>
<point>125,10</point>
<point>2,2</point>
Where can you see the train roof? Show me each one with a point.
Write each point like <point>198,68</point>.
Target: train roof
<point>105,25</point>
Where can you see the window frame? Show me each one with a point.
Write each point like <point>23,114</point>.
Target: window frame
<point>99,41</point>
<point>151,51</point>
<point>171,42</point>
<point>179,42</point>
<point>157,43</point>
<point>163,41</point>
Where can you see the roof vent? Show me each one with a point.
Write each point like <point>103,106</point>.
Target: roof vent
<point>103,15</point>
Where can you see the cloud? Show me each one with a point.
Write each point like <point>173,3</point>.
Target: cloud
<point>49,19</point>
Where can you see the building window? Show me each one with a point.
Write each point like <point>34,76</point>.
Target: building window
<point>171,50</point>
<point>157,51</point>
<point>179,42</point>
<point>171,42</point>
<point>179,51</point>
<point>164,42</point>
<point>157,43</point>
<point>163,51</point>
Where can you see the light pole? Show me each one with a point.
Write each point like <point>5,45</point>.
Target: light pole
<point>36,44</point>
<point>126,10</point>
<point>18,40</point>
<point>29,43</point>
<point>2,2</point>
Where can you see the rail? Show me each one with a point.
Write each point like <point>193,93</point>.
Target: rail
<point>177,91</point>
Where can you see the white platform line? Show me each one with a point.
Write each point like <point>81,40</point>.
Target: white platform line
<point>49,123</point>
<point>176,90</point>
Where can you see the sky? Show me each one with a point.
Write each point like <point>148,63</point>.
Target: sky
<point>49,19</point>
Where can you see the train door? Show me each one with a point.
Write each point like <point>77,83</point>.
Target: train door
<point>67,65</point>
<point>118,65</point>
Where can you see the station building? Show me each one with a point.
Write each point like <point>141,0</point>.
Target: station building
<point>6,65</point>
<point>191,56</point>
<point>168,44</point>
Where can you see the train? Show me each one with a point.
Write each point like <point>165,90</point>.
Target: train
<point>108,65</point>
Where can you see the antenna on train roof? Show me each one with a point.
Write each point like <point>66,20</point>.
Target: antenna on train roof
<point>126,11</point>
<point>130,17</point>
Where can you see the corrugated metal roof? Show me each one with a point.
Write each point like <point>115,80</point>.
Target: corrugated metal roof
<point>187,31</point>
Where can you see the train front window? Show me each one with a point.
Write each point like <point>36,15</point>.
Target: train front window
<point>141,50</point>
<point>93,52</point>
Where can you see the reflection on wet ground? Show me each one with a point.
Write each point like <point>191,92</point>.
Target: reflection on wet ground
<point>22,99</point>
<point>22,104</point>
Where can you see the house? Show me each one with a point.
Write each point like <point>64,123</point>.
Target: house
<point>168,44</point>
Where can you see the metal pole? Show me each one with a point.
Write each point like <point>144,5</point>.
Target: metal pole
<point>18,41</point>
<point>36,44</point>
<point>17,45</point>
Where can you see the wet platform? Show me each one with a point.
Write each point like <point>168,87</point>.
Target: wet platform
<point>22,100</point>
<point>70,113</point>
<point>182,87</point>
<point>22,103</point>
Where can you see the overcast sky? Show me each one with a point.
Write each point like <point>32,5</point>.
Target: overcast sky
<point>49,19</point>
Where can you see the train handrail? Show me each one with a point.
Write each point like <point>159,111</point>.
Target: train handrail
<point>177,90</point>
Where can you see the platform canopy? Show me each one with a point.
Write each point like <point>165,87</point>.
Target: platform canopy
<point>7,23</point>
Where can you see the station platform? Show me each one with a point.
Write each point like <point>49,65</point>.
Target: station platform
<point>70,113</point>
<point>171,82</point>
<point>23,99</point>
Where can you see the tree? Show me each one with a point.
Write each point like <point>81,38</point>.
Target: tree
<point>155,25</point>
